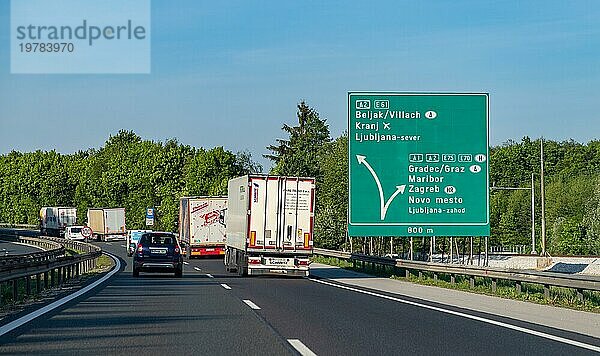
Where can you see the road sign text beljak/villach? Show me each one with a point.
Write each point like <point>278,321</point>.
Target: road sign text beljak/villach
<point>418,164</point>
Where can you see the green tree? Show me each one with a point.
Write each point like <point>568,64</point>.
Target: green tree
<point>298,155</point>
<point>331,213</point>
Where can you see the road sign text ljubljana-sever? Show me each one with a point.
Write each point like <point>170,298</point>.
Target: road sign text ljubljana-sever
<point>418,164</point>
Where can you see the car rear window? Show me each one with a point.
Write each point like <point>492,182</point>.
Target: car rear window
<point>157,240</point>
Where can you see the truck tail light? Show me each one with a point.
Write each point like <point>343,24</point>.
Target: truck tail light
<point>253,260</point>
<point>302,262</point>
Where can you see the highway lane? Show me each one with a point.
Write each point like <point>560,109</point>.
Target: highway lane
<point>10,249</point>
<point>199,314</point>
<point>154,315</point>
<point>332,321</point>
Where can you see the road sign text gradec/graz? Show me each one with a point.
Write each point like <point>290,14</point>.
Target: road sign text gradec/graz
<point>418,164</point>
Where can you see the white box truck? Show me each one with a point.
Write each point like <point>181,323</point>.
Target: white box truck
<point>202,225</point>
<point>54,220</point>
<point>107,224</point>
<point>269,225</point>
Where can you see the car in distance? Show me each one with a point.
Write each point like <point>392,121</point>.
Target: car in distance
<point>74,233</point>
<point>133,237</point>
<point>158,252</point>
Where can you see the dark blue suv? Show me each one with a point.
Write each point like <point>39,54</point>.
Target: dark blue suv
<point>158,252</point>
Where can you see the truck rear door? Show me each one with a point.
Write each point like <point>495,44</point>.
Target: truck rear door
<point>114,220</point>
<point>216,228</point>
<point>198,229</point>
<point>281,213</point>
<point>297,220</point>
<point>207,220</point>
<point>67,216</point>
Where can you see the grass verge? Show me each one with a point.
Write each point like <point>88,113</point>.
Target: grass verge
<point>530,292</point>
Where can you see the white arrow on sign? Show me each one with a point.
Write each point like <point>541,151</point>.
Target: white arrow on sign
<point>399,188</point>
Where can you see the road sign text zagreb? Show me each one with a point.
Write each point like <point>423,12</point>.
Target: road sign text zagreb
<point>418,164</point>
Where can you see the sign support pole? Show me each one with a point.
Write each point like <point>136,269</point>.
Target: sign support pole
<point>542,196</point>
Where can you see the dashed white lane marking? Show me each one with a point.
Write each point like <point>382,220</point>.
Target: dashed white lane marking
<point>472,317</point>
<point>301,348</point>
<point>209,275</point>
<point>123,246</point>
<point>225,286</point>
<point>198,268</point>
<point>251,305</point>
<point>29,317</point>
<point>186,263</point>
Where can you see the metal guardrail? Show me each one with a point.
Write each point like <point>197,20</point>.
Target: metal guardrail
<point>52,251</point>
<point>511,250</point>
<point>50,268</point>
<point>18,226</point>
<point>547,279</point>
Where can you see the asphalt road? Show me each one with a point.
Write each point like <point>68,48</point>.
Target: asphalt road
<point>11,249</point>
<point>159,314</point>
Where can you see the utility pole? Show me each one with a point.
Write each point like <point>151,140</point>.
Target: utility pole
<point>532,217</point>
<point>542,196</point>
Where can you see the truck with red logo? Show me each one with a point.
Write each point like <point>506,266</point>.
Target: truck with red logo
<point>269,225</point>
<point>202,225</point>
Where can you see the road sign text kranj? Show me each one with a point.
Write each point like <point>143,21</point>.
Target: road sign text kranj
<point>418,164</point>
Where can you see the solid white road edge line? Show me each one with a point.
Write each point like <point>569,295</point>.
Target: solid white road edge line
<point>209,275</point>
<point>251,305</point>
<point>225,286</point>
<point>473,317</point>
<point>29,317</point>
<point>301,348</point>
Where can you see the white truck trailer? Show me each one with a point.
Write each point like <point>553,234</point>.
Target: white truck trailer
<point>269,225</point>
<point>107,224</point>
<point>202,225</point>
<point>54,220</point>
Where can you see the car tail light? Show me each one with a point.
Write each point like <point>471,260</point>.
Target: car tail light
<point>140,248</point>
<point>176,249</point>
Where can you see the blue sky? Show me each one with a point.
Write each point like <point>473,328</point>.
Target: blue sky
<point>231,73</point>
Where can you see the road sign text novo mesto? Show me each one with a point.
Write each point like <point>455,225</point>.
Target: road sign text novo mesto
<point>418,164</point>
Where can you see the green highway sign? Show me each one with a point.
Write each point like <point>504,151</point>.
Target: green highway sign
<point>418,164</point>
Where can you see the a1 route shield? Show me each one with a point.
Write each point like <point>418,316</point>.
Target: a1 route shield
<point>418,164</point>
